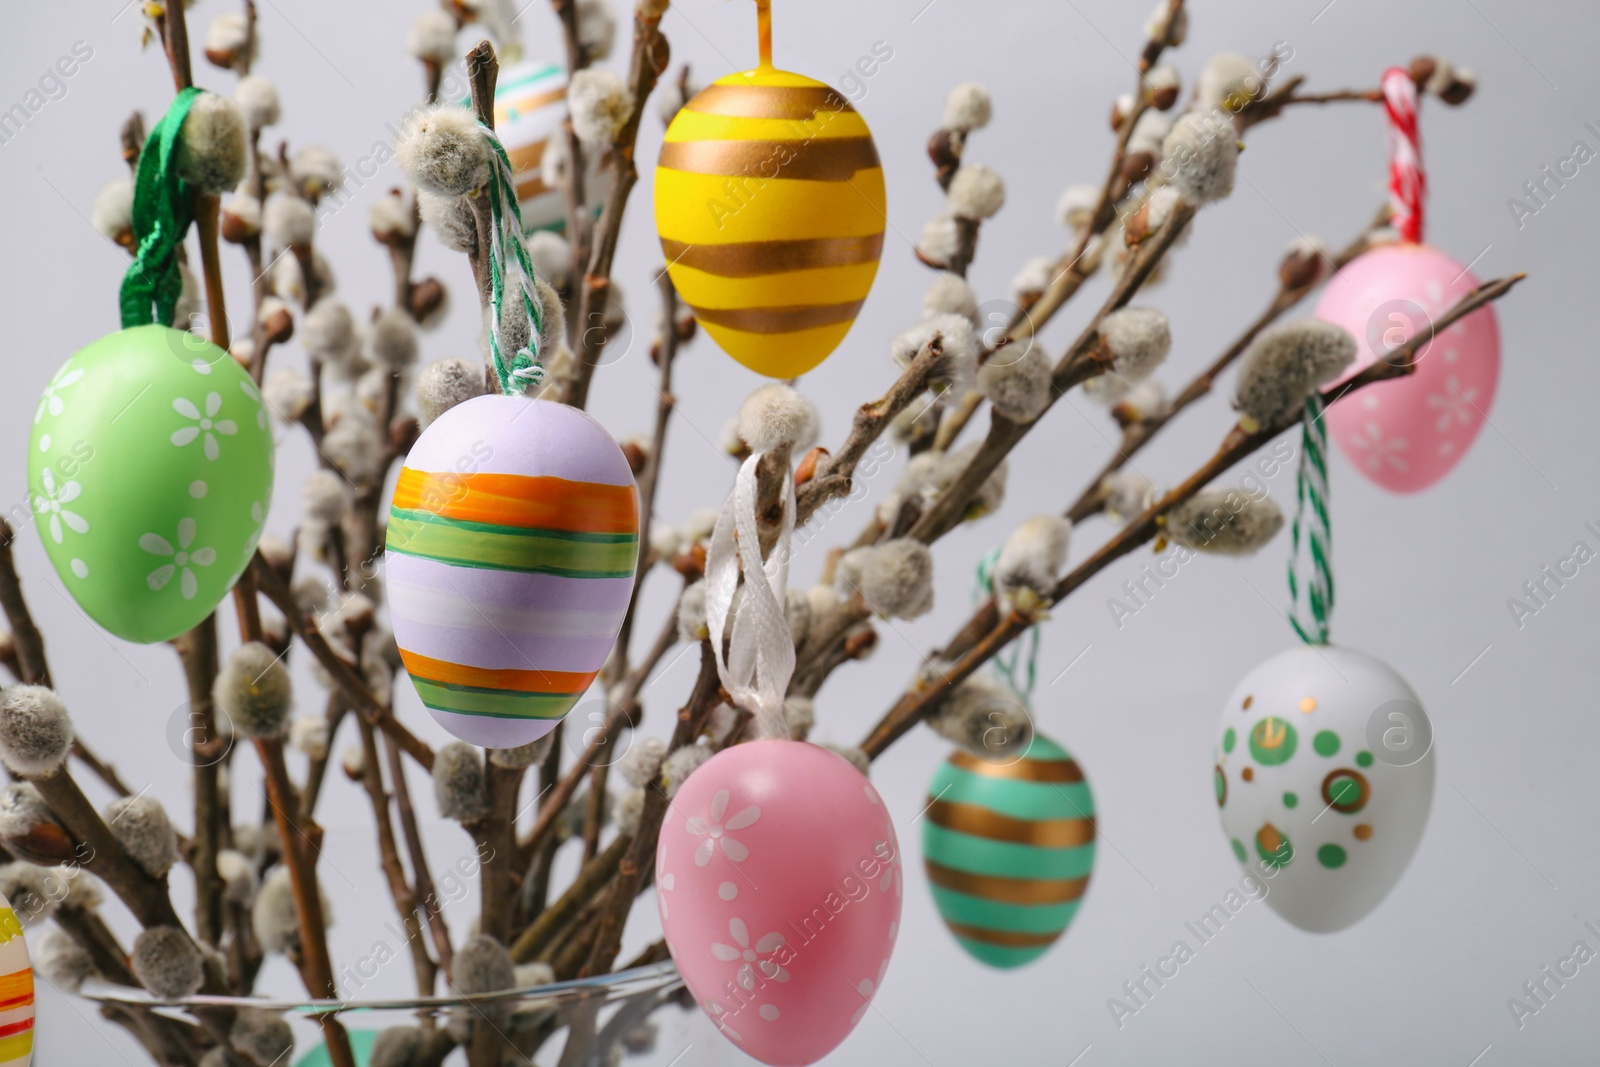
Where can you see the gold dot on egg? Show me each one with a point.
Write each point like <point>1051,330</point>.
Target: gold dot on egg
<point>1308,705</point>
<point>1247,702</point>
<point>1363,831</point>
<point>1248,774</point>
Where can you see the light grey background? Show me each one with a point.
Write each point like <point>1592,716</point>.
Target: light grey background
<point>1507,869</point>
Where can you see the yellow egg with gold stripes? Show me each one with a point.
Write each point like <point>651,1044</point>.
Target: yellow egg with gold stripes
<point>1009,846</point>
<point>771,207</point>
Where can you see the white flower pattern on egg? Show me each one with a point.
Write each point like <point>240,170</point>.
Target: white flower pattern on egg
<point>1381,451</point>
<point>1455,405</point>
<point>184,559</point>
<point>715,831</point>
<point>51,400</point>
<point>52,501</point>
<point>742,950</point>
<point>206,426</point>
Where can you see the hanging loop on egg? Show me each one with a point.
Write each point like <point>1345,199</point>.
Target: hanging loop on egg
<point>523,369</point>
<point>1408,182</point>
<point>163,210</point>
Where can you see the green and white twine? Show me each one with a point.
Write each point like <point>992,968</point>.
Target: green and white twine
<point>1011,659</point>
<point>524,369</point>
<point>1311,539</point>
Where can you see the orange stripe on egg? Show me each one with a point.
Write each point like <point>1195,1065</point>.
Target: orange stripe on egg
<point>521,681</point>
<point>541,502</point>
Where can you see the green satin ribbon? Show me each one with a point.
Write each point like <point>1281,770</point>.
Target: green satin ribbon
<point>163,210</point>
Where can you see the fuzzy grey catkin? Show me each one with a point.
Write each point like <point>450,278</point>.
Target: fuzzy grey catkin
<point>797,612</point>
<point>949,294</point>
<point>33,892</point>
<point>443,385</point>
<point>61,961</point>
<point>443,151</point>
<point>35,730</point>
<point>253,690</point>
<point>692,626</point>
<point>263,1038</point>
<point>801,715</point>
<point>287,221</point>
<point>968,107</point>
<point>167,962</point>
<point>395,1047</point>
<point>1138,339</point>
<point>1201,154</point>
<point>1285,363</point>
<point>990,494</point>
<point>1017,383</point>
<point>896,578</point>
<point>432,37</point>
<point>257,99</point>
<point>328,330</point>
<point>984,716</point>
<point>483,965</point>
<point>852,755</point>
<point>451,218</point>
<point>775,415</point>
<point>958,347</point>
<point>940,239</point>
<point>142,827</point>
<point>1032,557</point>
<point>523,756</point>
<point>22,810</point>
<point>325,497</point>
<point>599,104</point>
<point>640,766</point>
<point>459,783</point>
<point>111,214</point>
<point>392,340</point>
<point>1226,522</point>
<point>681,764</point>
<point>976,192</point>
<point>213,144</point>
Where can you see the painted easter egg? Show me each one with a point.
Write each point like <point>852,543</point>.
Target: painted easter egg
<point>778,876</point>
<point>16,991</point>
<point>771,208</point>
<point>530,105</point>
<point>1009,847</point>
<point>1324,777</point>
<point>1408,433</point>
<point>512,542</point>
<point>150,472</point>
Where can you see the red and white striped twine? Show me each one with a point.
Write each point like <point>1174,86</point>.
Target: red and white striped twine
<point>1408,183</point>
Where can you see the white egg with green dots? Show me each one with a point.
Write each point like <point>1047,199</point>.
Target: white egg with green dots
<point>1324,778</point>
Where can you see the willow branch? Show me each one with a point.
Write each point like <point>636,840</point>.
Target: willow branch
<point>1139,433</point>
<point>345,676</point>
<point>650,57</point>
<point>923,696</point>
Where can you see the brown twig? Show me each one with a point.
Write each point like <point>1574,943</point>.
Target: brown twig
<point>922,697</point>
<point>651,55</point>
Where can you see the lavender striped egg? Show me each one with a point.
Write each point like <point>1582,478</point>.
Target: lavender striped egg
<point>512,543</point>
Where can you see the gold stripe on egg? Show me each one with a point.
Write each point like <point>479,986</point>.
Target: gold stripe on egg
<point>779,319</point>
<point>983,822</point>
<point>1024,770</point>
<point>768,101</point>
<point>834,159</point>
<point>750,259</point>
<point>1007,890</point>
<point>527,157</point>
<point>1003,938</point>
<point>502,108</point>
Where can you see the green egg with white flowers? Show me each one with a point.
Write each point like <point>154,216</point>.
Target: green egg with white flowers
<point>150,470</point>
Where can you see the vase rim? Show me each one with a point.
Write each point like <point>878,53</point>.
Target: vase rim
<point>636,979</point>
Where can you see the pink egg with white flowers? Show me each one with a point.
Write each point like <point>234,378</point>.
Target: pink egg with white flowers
<point>1408,433</point>
<point>779,880</point>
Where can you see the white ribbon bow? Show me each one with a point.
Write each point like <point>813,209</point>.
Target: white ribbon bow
<point>760,659</point>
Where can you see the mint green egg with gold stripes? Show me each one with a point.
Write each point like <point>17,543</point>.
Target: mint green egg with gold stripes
<point>1009,847</point>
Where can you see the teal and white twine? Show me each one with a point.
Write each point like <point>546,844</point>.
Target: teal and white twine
<point>1012,659</point>
<point>1311,539</point>
<point>524,369</point>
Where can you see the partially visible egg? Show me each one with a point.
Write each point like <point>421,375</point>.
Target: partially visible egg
<point>1009,846</point>
<point>771,207</point>
<point>150,472</point>
<point>16,991</point>
<point>1408,433</point>
<point>530,106</point>
<point>1324,777</point>
<point>511,548</point>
